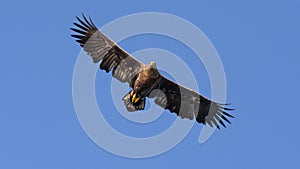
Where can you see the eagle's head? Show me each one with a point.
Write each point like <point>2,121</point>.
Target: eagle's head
<point>153,70</point>
<point>152,65</point>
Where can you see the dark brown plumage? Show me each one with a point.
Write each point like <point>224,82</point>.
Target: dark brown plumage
<point>145,80</point>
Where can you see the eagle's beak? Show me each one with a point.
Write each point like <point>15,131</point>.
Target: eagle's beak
<point>135,99</point>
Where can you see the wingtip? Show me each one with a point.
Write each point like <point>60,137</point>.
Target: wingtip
<point>82,14</point>
<point>222,123</point>
<point>230,109</point>
<point>77,18</point>
<point>227,114</point>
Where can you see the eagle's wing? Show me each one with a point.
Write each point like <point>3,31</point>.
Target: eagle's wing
<point>100,47</point>
<point>189,104</point>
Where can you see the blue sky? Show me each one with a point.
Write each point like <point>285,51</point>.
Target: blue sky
<point>258,42</point>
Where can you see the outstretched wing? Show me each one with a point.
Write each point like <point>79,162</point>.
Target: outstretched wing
<point>189,104</point>
<point>100,47</point>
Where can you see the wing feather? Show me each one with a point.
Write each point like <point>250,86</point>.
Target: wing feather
<point>100,47</point>
<point>190,104</point>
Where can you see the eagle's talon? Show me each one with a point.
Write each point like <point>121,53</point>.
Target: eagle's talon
<point>135,99</point>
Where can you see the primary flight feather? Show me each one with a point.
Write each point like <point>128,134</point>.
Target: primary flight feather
<point>145,80</point>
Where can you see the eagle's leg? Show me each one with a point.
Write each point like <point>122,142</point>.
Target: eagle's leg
<point>132,103</point>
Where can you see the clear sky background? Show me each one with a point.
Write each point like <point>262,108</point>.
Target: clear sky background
<point>258,42</point>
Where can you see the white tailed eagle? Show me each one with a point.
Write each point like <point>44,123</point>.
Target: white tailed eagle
<point>145,80</point>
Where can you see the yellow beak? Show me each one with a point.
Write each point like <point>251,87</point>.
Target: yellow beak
<point>135,99</point>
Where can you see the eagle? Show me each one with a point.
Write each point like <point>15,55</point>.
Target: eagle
<point>145,80</point>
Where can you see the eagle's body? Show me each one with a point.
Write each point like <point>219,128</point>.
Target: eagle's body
<point>146,81</point>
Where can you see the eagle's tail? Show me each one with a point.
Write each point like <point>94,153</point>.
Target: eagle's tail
<point>131,107</point>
